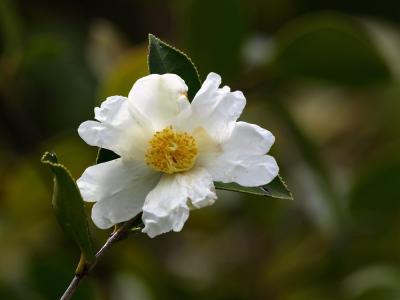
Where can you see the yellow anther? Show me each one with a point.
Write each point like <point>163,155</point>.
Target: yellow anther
<point>171,152</point>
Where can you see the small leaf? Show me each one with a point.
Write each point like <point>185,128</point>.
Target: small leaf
<point>68,205</point>
<point>164,58</point>
<point>276,189</point>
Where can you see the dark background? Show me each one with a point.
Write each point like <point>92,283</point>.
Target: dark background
<point>323,76</point>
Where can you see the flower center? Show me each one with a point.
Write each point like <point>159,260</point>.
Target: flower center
<point>171,152</point>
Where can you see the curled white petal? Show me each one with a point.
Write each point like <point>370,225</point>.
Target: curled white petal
<point>216,109</point>
<point>118,187</point>
<point>116,129</point>
<point>167,206</point>
<point>160,98</point>
<point>241,159</point>
<point>113,111</point>
<point>246,170</point>
<point>249,139</point>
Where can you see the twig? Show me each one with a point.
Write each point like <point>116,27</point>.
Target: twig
<point>83,269</point>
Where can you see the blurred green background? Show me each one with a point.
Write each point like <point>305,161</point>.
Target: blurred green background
<point>323,76</point>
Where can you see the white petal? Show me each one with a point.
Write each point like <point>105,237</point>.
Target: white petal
<point>216,109</point>
<point>160,98</point>
<point>117,130</point>
<point>246,170</point>
<point>241,159</point>
<point>100,135</point>
<point>167,206</point>
<point>113,111</point>
<point>119,188</point>
<point>249,139</point>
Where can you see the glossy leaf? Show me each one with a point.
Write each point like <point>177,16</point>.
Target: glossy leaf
<point>164,58</point>
<point>275,189</point>
<point>68,205</point>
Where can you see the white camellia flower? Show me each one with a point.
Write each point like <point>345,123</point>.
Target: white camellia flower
<point>171,151</point>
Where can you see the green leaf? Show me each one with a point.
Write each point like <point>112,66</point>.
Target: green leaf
<point>332,47</point>
<point>68,205</point>
<point>164,58</point>
<point>276,189</point>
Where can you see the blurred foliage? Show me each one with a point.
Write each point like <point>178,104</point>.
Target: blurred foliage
<point>214,32</point>
<point>322,76</point>
<point>332,47</point>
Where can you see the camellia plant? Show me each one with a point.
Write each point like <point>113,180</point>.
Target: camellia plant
<point>163,151</point>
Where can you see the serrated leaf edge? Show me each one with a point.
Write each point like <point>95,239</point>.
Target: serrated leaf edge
<point>286,187</point>
<point>290,197</point>
<point>152,36</point>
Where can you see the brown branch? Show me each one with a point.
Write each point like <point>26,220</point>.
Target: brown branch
<point>84,269</point>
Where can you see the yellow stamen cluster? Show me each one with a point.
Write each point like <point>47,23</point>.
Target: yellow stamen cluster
<point>171,152</point>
